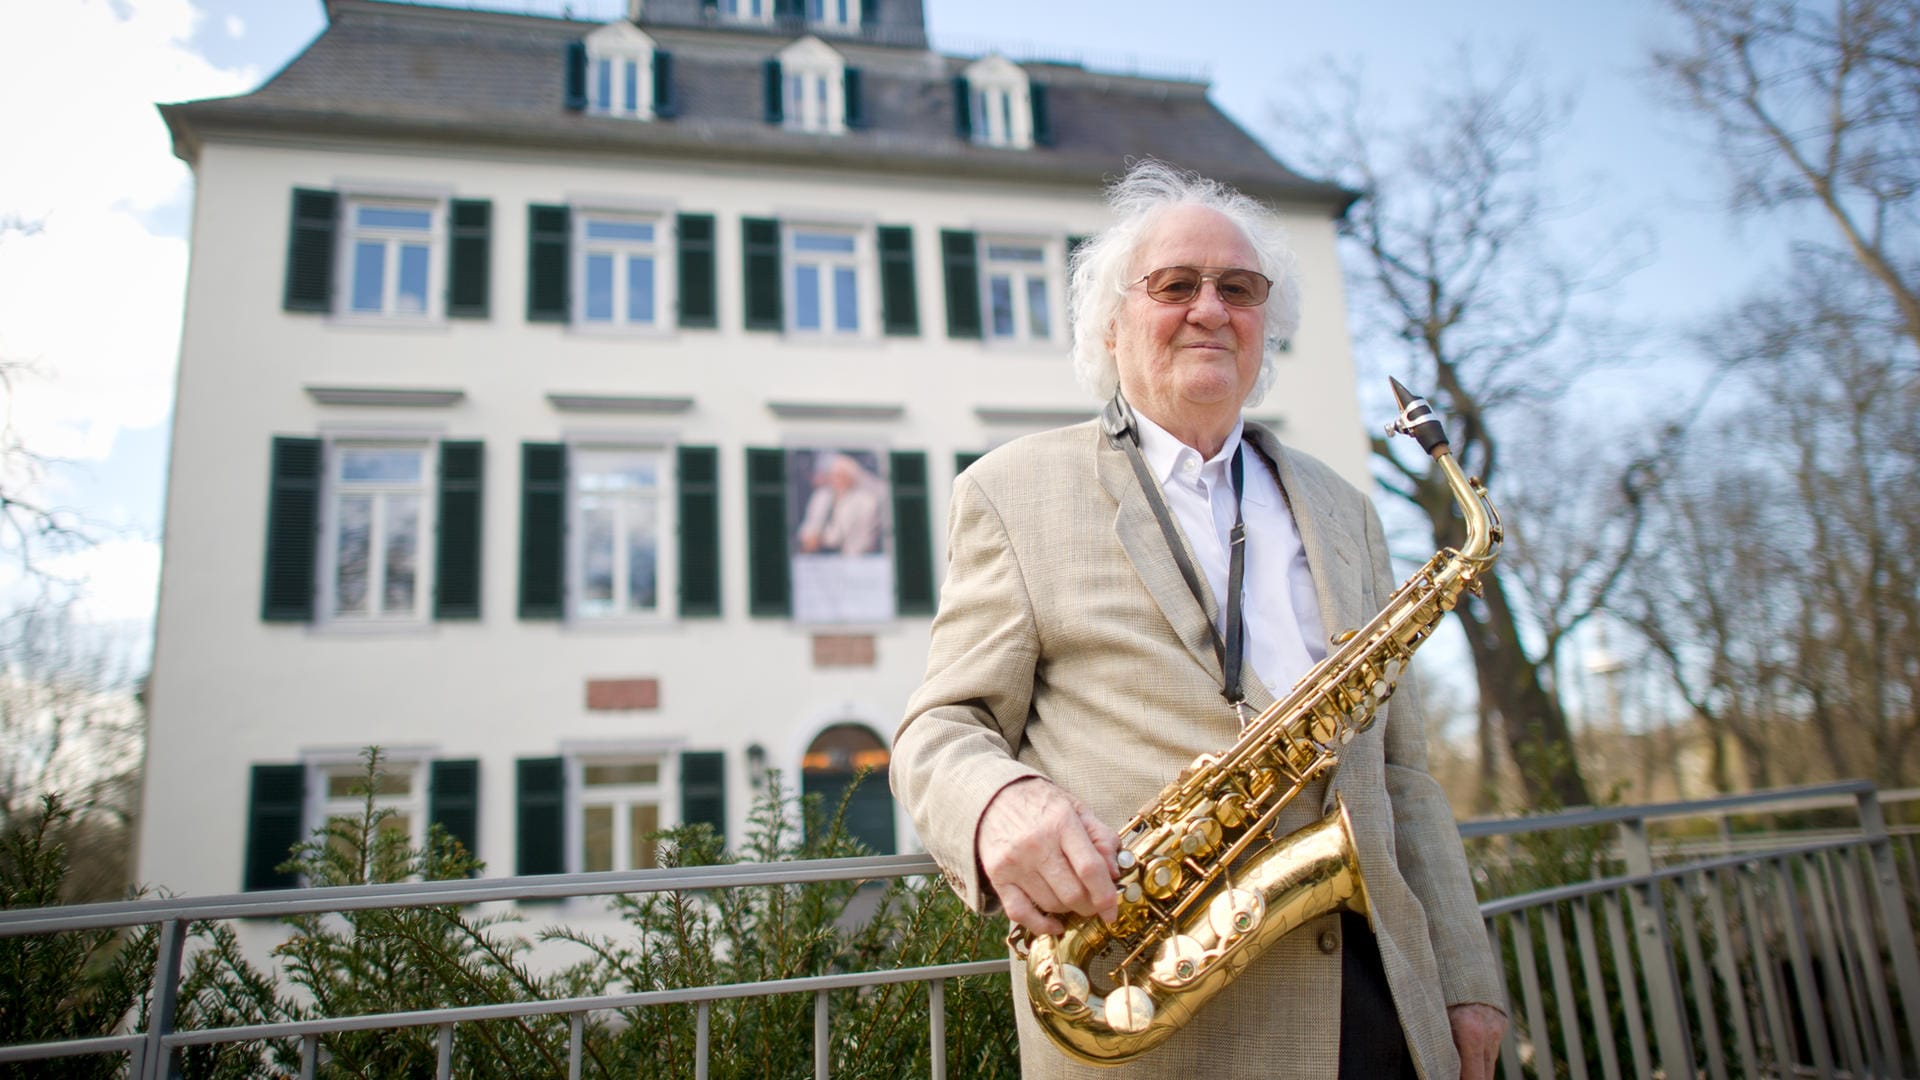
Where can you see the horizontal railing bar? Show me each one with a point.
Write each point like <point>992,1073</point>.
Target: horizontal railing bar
<point>603,1003</point>
<point>1507,905</point>
<point>104,1044</point>
<point>405,894</point>
<point>1612,815</point>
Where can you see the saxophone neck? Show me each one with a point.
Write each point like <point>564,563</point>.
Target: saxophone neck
<point>1418,420</point>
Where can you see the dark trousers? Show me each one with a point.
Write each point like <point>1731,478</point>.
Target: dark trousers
<point>1372,1044</point>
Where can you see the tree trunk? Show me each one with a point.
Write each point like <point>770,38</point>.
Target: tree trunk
<point>1536,727</point>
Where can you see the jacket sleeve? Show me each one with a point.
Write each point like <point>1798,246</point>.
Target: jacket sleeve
<point>956,747</point>
<point>1427,843</point>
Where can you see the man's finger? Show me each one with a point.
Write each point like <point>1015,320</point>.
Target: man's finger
<point>1021,910</point>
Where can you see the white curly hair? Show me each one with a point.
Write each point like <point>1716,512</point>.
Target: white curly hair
<point>1101,268</point>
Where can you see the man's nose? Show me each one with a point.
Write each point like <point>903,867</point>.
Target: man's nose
<point>1206,308</point>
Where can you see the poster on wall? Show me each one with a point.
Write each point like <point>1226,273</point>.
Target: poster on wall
<point>837,528</point>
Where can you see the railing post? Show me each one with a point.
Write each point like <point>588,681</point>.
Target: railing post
<point>822,1044</point>
<point>937,1025</point>
<point>1656,952</point>
<point>166,998</point>
<point>1893,910</point>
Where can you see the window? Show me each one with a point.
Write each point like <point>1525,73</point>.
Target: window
<point>619,271</point>
<point>610,532</point>
<point>1016,287</point>
<point>379,258</point>
<point>391,254</point>
<point>996,105</point>
<point>622,533</point>
<point>620,805</point>
<point>617,71</point>
<point>340,791</point>
<point>825,279</point>
<point>834,14</point>
<point>811,95</point>
<point>746,10</point>
<point>378,513</point>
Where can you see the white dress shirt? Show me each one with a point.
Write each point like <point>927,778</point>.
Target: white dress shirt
<point>1281,608</point>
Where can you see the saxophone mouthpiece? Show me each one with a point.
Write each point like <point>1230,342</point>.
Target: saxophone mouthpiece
<point>1418,420</point>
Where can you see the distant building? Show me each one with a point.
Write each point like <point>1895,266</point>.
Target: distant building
<point>520,355</point>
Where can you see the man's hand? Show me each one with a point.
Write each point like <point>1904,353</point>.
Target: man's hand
<point>1044,852</point>
<point>1476,1034</point>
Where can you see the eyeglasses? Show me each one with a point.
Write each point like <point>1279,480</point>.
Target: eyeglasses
<point>1181,284</point>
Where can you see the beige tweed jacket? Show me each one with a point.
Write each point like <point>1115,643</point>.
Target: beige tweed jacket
<point>1068,646</point>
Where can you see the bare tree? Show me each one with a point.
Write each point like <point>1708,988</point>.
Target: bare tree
<point>1815,106</point>
<point>1457,287</point>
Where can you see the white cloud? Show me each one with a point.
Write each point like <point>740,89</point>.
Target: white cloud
<point>92,300</point>
<point>118,580</point>
<point>236,27</point>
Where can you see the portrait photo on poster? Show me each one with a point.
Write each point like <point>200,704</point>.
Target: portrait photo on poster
<point>838,532</point>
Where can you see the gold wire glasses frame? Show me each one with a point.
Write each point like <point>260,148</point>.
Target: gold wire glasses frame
<point>1181,284</point>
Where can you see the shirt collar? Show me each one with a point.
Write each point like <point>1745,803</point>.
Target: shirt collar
<point>1164,452</point>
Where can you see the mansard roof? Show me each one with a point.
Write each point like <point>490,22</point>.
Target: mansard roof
<point>434,75</point>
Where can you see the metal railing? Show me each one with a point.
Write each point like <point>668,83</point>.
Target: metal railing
<point>1750,963</point>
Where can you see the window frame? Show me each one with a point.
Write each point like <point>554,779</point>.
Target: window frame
<point>1000,105</point>
<point>1022,313</point>
<point>666,789</point>
<point>666,569</point>
<point>820,73</point>
<point>663,249</point>
<point>320,807</point>
<point>628,55</point>
<point>860,260</point>
<point>333,488</point>
<point>731,11</point>
<point>352,234</point>
<point>847,10</point>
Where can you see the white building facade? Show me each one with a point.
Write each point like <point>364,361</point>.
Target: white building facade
<point>571,410</point>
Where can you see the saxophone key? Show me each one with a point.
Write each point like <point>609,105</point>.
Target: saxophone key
<point>1162,878</point>
<point>1179,962</point>
<point>1129,1009</point>
<point>1236,912</point>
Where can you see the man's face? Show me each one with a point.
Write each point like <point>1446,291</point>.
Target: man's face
<point>1202,354</point>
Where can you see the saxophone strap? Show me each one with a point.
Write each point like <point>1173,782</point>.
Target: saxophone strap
<point>1231,653</point>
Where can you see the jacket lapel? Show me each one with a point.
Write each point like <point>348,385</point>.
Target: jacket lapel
<point>1140,537</point>
<point>1318,515</point>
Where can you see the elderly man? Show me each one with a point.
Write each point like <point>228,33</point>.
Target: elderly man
<point>1073,670</point>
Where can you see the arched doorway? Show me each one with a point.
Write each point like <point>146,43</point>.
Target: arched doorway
<point>831,762</point>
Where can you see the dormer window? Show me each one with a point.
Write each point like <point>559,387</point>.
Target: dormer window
<point>618,71</point>
<point>996,105</point>
<point>834,14</point>
<point>809,88</point>
<point>757,11</point>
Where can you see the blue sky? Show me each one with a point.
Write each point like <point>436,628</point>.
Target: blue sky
<point>93,300</point>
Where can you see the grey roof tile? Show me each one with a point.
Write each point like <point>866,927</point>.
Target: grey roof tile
<point>428,73</point>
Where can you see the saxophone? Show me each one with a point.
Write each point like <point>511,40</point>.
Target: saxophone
<point>1204,889</point>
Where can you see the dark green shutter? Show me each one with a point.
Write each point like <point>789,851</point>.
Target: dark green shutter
<point>548,233</point>
<point>540,833</point>
<point>789,9</point>
<point>699,276</point>
<point>665,106</point>
<point>869,13</point>
<point>963,459</point>
<point>543,530</point>
<point>293,530</point>
<point>962,108</point>
<point>961,260</point>
<point>1073,247</point>
<point>699,482</point>
<point>576,85</point>
<point>912,533</point>
<point>703,790</point>
<point>469,282</point>
<point>453,801</point>
<point>456,576</point>
<point>769,575</point>
<point>760,254</point>
<point>856,107</point>
<point>276,807</point>
<point>773,91</point>
<point>310,245</point>
<point>899,304</point>
<point>1042,119</point>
